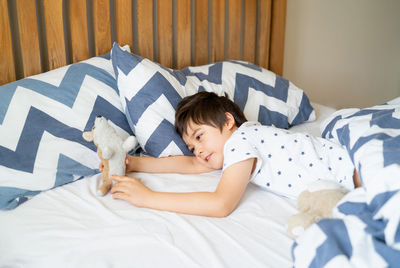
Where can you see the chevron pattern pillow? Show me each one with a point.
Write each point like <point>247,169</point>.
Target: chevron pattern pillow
<point>41,123</point>
<point>150,93</point>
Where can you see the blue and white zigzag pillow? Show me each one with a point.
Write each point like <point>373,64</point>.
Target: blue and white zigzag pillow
<point>261,94</point>
<point>150,93</point>
<point>41,123</point>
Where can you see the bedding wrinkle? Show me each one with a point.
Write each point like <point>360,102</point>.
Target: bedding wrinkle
<point>267,221</point>
<point>189,225</point>
<point>252,228</point>
<point>76,203</point>
<point>252,206</point>
<point>254,244</point>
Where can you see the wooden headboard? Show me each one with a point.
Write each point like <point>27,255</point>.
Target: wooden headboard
<point>40,35</point>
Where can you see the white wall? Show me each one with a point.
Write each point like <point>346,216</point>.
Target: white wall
<point>344,53</point>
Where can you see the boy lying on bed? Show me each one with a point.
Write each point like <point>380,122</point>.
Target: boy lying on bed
<point>215,130</point>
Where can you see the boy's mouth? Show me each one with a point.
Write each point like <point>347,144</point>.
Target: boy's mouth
<point>208,157</point>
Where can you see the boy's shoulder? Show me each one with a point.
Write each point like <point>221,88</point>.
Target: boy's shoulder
<point>249,125</point>
<point>251,130</point>
<point>244,132</point>
<point>253,127</point>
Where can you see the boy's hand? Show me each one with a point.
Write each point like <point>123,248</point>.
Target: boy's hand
<point>131,190</point>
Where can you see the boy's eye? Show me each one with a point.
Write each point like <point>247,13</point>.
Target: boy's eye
<point>191,150</point>
<point>198,137</point>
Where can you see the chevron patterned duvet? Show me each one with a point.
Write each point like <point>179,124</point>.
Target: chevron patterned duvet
<point>41,122</point>
<point>366,228</point>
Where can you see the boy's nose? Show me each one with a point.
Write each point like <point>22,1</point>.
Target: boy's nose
<point>198,151</point>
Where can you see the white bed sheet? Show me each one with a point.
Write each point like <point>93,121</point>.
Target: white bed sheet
<point>72,227</point>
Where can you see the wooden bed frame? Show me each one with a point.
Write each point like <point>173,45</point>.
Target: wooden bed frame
<point>40,35</point>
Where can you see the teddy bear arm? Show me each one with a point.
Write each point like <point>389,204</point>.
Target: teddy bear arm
<point>105,187</point>
<point>107,152</point>
<point>298,223</point>
<point>117,164</point>
<point>105,175</point>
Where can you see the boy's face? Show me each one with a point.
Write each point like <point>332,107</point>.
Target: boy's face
<point>207,142</point>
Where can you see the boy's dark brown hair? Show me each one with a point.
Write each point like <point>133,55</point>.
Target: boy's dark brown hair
<point>206,108</point>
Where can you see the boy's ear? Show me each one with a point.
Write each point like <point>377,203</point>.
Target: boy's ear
<point>230,120</point>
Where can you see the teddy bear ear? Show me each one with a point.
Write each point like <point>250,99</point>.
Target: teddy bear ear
<point>88,136</point>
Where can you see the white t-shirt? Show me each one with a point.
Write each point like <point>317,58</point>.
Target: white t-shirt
<point>287,162</point>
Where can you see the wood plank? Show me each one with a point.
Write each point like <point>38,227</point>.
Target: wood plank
<point>79,30</point>
<point>7,67</point>
<point>123,16</point>
<point>165,51</point>
<point>249,34</point>
<point>218,31</point>
<point>264,32</point>
<point>234,22</point>
<point>183,42</point>
<point>54,33</point>
<point>29,40</point>
<point>201,33</point>
<point>278,25</point>
<point>102,27</point>
<point>145,29</point>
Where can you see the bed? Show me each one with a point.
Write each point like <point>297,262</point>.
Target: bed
<point>70,226</point>
<point>71,61</point>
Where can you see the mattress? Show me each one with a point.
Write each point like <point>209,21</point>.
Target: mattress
<point>70,226</point>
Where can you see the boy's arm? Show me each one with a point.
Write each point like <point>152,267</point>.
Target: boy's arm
<point>171,164</point>
<point>215,204</point>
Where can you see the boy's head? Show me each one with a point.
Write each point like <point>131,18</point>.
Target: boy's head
<point>206,108</point>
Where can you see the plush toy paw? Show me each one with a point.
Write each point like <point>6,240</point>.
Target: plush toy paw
<point>104,188</point>
<point>313,204</point>
<point>297,224</point>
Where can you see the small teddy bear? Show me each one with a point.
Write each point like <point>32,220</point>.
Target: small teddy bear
<point>112,150</point>
<point>314,204</point>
